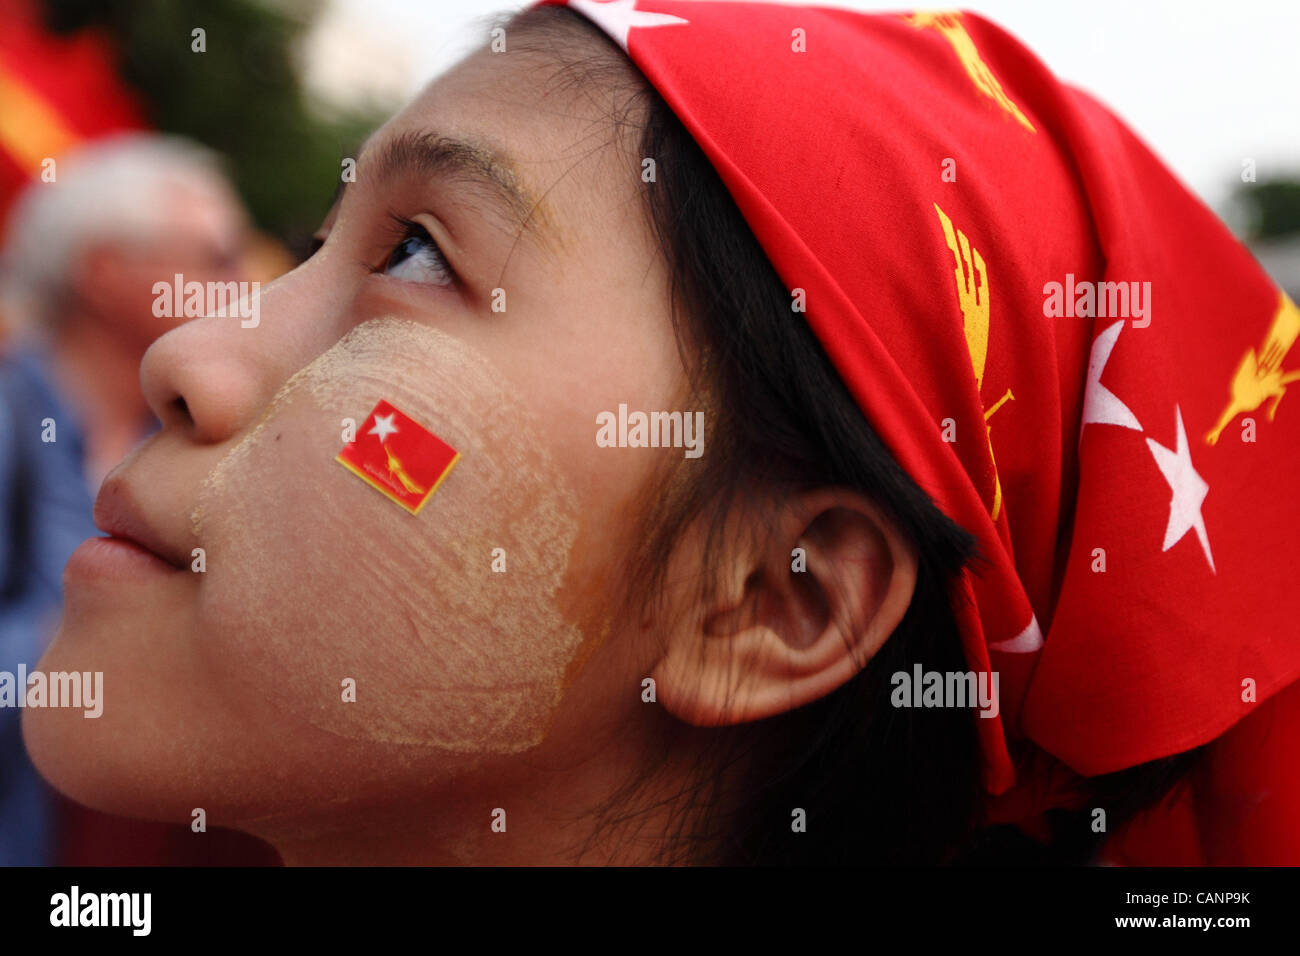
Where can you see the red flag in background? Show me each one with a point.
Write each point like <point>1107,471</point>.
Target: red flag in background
<point>55,92</point>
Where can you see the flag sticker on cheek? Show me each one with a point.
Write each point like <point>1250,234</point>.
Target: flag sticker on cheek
<point>398,457</point>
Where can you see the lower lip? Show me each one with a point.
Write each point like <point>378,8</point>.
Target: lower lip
<point>115,558</point>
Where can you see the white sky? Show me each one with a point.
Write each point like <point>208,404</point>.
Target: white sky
<point>1206,84</point>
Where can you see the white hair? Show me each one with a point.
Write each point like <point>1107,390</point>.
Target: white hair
<point>113,188</point>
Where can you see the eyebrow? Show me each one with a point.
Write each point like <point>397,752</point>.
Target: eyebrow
<point>431,153</point>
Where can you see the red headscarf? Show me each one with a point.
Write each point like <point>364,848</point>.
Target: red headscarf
<point>1056,340</point>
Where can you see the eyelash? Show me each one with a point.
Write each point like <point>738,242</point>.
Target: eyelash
<point>404,230</point>
<point>401,230</point>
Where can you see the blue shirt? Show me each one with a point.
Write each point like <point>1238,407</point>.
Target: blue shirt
<point>45,512</point>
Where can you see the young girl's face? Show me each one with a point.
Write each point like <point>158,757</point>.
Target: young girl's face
<point>489,273</point>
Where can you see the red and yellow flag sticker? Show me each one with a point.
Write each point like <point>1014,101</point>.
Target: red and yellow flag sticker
<point>398,457</point>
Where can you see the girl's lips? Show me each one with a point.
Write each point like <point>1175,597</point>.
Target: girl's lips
<point>119,516</point>
<point>114,557</point>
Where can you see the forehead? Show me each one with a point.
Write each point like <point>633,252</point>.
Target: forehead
<point>557,142</point>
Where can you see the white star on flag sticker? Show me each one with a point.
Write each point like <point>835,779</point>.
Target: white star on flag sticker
<point>618,17</point>
<point>1101,406</point>
<point>1189,490</point>
<point>383,427</point>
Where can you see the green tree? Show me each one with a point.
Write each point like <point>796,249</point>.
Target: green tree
<point>242,96</point>
<point>1272,207</point>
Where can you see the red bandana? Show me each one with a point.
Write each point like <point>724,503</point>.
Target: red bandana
<point>1058,342</point>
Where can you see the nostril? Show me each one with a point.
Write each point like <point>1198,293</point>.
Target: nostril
<point>181,410</point>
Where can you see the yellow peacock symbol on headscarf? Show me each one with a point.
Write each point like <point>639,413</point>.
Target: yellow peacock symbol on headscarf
<point>973,294</point>
<point>1260,376</point>
<point>950,26</point>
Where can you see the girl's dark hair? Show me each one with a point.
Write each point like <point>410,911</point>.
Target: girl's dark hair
<point>878,784</point>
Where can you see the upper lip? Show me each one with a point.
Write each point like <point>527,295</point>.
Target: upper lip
<point>118,514</point>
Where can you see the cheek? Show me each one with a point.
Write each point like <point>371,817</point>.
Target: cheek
<point>313,577</point>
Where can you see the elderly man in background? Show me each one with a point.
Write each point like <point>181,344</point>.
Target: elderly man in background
<point>77,270</point>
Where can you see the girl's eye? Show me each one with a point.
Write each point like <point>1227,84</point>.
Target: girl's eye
<point>417,258</point>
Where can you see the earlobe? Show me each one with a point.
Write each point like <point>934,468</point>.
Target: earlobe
<point>786,629</point>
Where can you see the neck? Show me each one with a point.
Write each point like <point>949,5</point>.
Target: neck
<point>547,819</point>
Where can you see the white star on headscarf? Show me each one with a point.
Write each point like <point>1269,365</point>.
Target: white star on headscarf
<point>619,16</point>
<point>1189,490</point>
<point>1026,642</point>
<point>383,427</point>
<point>1101,406</point>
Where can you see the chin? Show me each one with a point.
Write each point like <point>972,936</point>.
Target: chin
<point>126,761</point>
<point>58,749</point>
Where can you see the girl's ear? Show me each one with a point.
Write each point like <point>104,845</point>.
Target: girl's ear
<point>796,616</point>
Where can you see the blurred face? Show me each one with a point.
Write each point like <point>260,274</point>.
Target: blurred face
<point>337,653</point>
<point>201,236</point>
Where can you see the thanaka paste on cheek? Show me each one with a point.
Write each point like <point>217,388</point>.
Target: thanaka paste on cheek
<point>312,577</point>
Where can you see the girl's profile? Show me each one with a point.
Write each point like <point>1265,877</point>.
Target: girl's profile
<point>717,433</point>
